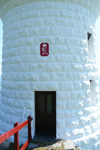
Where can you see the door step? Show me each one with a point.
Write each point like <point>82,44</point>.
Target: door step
<point>54,144</point>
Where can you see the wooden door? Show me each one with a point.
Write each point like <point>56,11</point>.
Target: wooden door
<point>45,111</point>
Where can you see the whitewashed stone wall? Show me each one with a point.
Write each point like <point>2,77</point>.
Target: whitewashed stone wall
<point>67,70</point>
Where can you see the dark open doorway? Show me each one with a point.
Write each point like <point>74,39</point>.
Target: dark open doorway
<point>45,113</point>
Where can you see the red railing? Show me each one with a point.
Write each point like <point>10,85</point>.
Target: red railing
<point>15,132</point>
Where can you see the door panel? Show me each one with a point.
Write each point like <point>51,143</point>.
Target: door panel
<point>45,111</point>
<point>49,104</point>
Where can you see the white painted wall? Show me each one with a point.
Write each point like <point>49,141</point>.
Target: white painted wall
<point>67,70</point>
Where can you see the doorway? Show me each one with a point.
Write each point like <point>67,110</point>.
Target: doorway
<point>45,113</point>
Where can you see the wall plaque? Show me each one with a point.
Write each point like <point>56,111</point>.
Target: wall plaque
<point>44,49</point>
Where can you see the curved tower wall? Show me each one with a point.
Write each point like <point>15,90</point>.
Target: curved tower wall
<point>70,69</point>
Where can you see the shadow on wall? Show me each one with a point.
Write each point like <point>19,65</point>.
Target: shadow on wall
<point>0,89</point>
<point>98,44</point>
<point>1,44</point>
<point>99,85</point>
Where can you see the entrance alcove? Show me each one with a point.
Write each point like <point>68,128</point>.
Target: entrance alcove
<point>45,113</point>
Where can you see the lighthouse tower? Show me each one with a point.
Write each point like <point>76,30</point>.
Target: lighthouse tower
<point>49,69</point>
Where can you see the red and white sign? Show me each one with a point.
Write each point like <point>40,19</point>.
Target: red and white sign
<point>44,49</point>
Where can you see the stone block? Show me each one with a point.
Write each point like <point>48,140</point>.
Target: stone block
<point>85,84</point>
<point>61,22</point>
<point>66,113</point>
<point>54,13</point>
<point>61,124</point>
<point>85,120</point>
<point>88,67</point>
<point>85,142</point>
<point>71,104</point>
<point>78,94</point>
<point>69,145</point>
<point>58,49</point>
<point>78,132</point>
<point>87,130</point>
<point>63,95</point>
<point>65,86</point>
<point>61,105</point>
<point>67,14</point>
<point>72,76</point>
<point>61,31</point>
<point>94,127</point>
<point>38,22</point>
<point>44,31</point>
<point>72,123</point>
<point>63,133</point>
<point>77,85</point>
<point>76,67</point>
<point>94,117</point>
